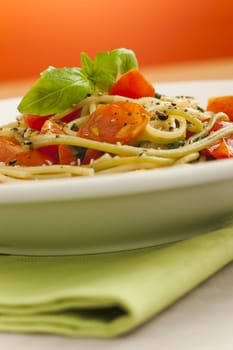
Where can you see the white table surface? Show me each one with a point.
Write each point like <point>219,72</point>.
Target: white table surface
<point>201,320</point>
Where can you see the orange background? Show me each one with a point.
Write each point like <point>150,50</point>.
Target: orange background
<point>36,34</point>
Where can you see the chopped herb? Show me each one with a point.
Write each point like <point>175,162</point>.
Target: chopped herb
<point>12,162</point>
<point>78,152</point>
<point>157,95</point>
<point>176,144</point>
<point>74,127</point>
<point>200,109</point>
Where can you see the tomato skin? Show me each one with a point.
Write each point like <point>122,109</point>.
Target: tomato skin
<point>91,154</point>
<point>66,155</point>
<point>34,122</point>
<point>71,116</point>
<point>221,149</point>
<point>51,152</point>
<point>221,104</point>
<point>117,122</point>
<point>35,157</point>
<point>9,148</point>
<point>52,127</point>
<point>219,124</point>
<point>132,84</point>
<point>224,147</point>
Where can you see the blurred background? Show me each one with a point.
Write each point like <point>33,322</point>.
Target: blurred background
<point>36,34</point>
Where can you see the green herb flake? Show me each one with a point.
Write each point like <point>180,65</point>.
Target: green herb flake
<point>78,152</point>
<point>176,144</point>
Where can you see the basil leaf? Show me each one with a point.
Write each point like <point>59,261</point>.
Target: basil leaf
<point>102,71</point>
<point>59,88</point>
<point>127,59</point>
<point>105,67</point>
<point>87,64</point>
<point>56,90</point>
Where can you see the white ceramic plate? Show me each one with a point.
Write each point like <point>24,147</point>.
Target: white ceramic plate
<point>115,212</point>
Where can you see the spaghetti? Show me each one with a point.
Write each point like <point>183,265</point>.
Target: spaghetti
<point>175,131</point>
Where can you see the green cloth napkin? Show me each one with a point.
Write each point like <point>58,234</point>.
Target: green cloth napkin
<point>107,294</point>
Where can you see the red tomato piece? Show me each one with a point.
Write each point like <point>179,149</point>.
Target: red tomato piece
<point>51,152</point>
<point>221,104</point>
<point>116,122</point>
<point>53,127</point>
<point>66,155</point>
<point>221,149</point>
<point>71,116</point>
<point>132,84</point>
<point>9,148</point>
<point>224,147</point>
<point>91,154</point>
<point>35,157</point>
<point>34,122</point>
<point>219,124</point>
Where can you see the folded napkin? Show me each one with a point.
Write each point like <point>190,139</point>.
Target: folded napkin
<point>107,294</point>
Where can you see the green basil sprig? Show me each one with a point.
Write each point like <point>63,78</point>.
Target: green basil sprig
<point>58,89</point>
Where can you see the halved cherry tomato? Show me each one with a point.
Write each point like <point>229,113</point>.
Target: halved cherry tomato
<point>221,149</point>
<point>116,122</point>
<point>224,147</point>
<point>66,155</point>
<point>91,154</point>
<point>71,116</point>
<point>51,152</point>
<point>221,104</point>
<point>34,122</point>
<point>52,127</point>
<point>35,157</point>
<point>219,124</point>
<point>132,84</point>
<point>9,148</point>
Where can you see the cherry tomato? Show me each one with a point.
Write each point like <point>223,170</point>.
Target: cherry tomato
<point>116,122</point>
<point>9,148</point>
<point>35,157</point>
<point>34,122</point>
<point>224,147</point>
<point>66,155</point>
<point>91,154</point>
<point>221,104</point>
<point>132,84</point>
<point>52,127</point>
<point>221,149</point>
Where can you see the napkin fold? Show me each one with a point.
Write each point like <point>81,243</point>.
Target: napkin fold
<point>108,294</point>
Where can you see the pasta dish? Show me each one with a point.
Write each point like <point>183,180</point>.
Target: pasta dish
<point>108,118</point>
